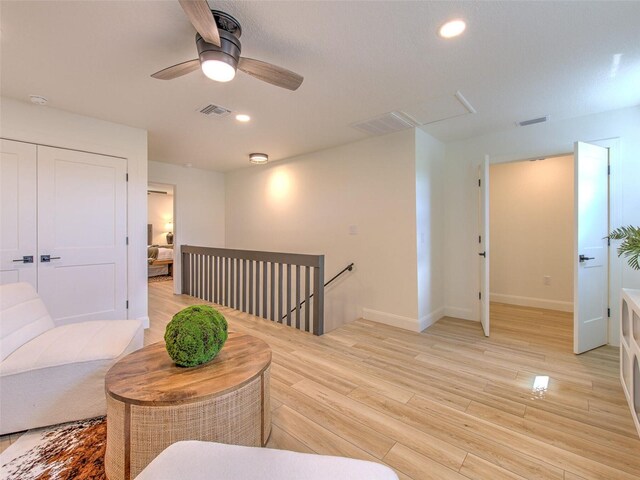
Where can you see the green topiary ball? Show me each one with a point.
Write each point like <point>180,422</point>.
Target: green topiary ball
<point>195,335</point>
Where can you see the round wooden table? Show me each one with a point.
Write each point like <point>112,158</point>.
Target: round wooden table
<point>152,403</point>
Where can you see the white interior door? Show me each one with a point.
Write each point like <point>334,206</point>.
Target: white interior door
<point>82,201</point>
<point>483,183</point>
<point>18,213</point>
<point>591,253</point>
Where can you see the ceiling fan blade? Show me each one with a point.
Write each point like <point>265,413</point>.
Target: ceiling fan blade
<point>178,70</point>
<point>280,77</point>
<point>202,19</point>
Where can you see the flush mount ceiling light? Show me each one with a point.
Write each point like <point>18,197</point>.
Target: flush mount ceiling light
<point>258,158</point>
<point>452,28</point>
<point>242,117</point>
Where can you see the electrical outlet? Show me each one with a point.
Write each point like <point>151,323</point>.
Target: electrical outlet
<point>546,280</point>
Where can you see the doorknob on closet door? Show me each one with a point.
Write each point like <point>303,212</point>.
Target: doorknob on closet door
<point>25,259</point>
<point>582,258</point>
<point>483,254</point>
<point>48,258</point>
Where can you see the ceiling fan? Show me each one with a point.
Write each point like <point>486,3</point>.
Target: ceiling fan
<point>218,43</point>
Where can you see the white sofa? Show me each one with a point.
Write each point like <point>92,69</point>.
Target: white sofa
<point>52,374</point>
<point>216,461</point>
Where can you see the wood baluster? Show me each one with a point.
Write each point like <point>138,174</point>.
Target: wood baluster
<point>307,297</point>
<point>250,309</point>
<point>280,306</point>
<point>298,297</point>
<point>232,283</point>
<point>289,294</point>
<point>318,297</point>
<point>258,277</point>
<point>264,289</point>
<point>272,292</point>
<point>226,281</point>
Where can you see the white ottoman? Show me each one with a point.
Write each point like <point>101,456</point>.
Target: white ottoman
<point>212,461</point>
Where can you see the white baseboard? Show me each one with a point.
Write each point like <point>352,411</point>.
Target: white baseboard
<point>462,313</point>
<point>532,302</point>
<point>430,319</point>
<point>391,319</point>
<point>145,321</point>
<point>399,321</point>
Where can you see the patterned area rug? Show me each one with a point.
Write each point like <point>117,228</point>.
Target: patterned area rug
<point>68,451</point>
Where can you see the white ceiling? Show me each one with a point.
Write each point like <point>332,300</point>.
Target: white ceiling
<point>517,60</point>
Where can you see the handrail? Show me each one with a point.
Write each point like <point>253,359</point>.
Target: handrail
<point>348,267</point>
<point>226,277</point>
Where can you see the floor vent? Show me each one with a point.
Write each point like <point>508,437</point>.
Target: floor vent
<point>387,123</point>
<point>214,110</point>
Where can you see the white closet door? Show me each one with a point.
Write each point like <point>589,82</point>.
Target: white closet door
<point>82,205</point>
<point>18,212</point>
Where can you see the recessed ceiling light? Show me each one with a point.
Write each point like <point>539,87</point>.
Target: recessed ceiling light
<point>258,158</point>
<point>38,99</point>
<point>241,117</point>
<point>452,28</point>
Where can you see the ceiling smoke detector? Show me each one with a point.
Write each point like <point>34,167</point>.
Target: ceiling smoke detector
<point>38,100</point>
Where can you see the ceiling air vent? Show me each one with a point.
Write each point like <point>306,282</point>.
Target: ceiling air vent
<point>387,123</point>
<point>212,110</point>
<point>533,121</point>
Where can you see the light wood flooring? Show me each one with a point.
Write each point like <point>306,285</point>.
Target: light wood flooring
<point>447,403</point>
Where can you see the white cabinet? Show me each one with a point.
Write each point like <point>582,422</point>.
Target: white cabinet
<point>630,351</point>
<point>67,210</point>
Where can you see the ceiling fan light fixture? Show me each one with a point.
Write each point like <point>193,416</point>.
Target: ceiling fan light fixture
<point>217,66</point>
<point>258,158</point>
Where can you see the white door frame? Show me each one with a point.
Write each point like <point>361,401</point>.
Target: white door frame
<point>615,197</point>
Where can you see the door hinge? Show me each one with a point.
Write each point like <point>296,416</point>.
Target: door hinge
<point>127,240</point>
<point>126,176</point>
<point>608,242</point>
<point>608,313</point>
<point>479,295</point>
<point>608,169</point>
<point>479,182</point>
<point>479,238</point>
<point>127,304</point>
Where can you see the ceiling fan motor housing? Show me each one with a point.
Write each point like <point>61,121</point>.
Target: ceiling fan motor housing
<point>228,51</point>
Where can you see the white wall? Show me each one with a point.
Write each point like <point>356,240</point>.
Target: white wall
<point>531,222</point>
<point>160,212</point>
<point>307,204</point>
<point>621,127</point>
<point>199,208</point>
<point>429,227</point>
<point>48,126</point>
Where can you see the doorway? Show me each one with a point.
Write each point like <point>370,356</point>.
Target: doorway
<point>160,232</point>
<point>591,289</point>
<point>531,224</point>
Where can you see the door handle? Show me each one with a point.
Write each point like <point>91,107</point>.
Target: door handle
<point>25,259</point>
<point>48,258</point>
<point>483,254</point>
<point>582,258</point>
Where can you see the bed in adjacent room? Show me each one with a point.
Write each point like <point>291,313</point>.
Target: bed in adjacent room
<point>159,258</point>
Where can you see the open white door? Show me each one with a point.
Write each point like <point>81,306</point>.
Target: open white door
<point>590,247</point>
<point>483,183</point>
